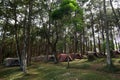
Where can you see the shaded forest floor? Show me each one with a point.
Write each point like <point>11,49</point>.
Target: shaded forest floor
<point>79,70</point>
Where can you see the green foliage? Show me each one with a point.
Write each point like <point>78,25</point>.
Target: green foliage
<point>65,8</point>
<point>79,24</point>
<point>60,46</point>
<point>64,2</point>
<point>57,14</point>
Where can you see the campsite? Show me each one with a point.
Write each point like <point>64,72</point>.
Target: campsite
<point>59,39</point>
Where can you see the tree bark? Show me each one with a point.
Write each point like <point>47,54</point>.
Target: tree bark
<point>3,43</point>
<point>93,33</point>
<point>16,35</point>
<point>28,32</point>
<point>24,51</point>
<point>109,61</point>
<point>83,42</point>
<point>99,44</point>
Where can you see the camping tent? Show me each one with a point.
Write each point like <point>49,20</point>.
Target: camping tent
<point>76,56</point>
<point>51,57</point>
<point>64,58</point>
<point>11,62</point>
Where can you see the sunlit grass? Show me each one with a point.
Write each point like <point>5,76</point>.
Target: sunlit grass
<point>79,70</point>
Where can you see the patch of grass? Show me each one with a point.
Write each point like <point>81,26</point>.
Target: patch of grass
<point>82,66</point>
<point>81,70</point>
<point>95,76</point>
<point>110,69</point>
<point>85,66</point>
<point>100,60</point>
<point>5,72</point>
<point>116,61</point>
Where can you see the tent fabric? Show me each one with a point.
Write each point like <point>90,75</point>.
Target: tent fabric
<point>51,58</point>
<point>11,62</point>
<point>116,52</point>
<point>64,57</point>
<point>37,58</point>
<point>76,56</point>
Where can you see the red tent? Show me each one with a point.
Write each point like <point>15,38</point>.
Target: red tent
<point>64,58</point>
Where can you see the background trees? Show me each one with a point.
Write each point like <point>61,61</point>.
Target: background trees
<point>31,28</point>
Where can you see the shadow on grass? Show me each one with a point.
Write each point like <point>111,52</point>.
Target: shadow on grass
<point>7,71</point>
<point>27,77</point>
<point>112,69</point>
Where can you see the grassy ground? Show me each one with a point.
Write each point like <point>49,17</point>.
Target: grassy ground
<point>79,70</point>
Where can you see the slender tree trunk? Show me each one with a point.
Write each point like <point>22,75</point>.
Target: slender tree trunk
<point>91,45</point>
<point>3,40</point>
<point>28,32</point>
<point>103,38</point>
<point>115,40</point>
<point>64,45</point>
<point>109,61</point>
<point>93,31</point>
<point>67,52</point>
<point>24,54</point>
<point>111,37</point>
<point>55,42</point>
<point>88,43</point>
<point>75,43</point>
<point>54,53</point>
<point>99,44</point>
<point>83,43</point>
<point>2,44</point>
<point>16,36</point>
<point>24,51</point>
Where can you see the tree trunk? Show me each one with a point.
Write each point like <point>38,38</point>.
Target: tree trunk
<point>67,52</point>
<point>28,32</point>
<point>75,43</point>
<point>103,38</point>
<point>16,36</point>
<point>109,61</point>
<point>111,37</point>
<point>2,46</point>
<point>93,31</point>
<point>83,43</point>
<point>24,51</point>
<point>99,44</point>
<point>54,53</point>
